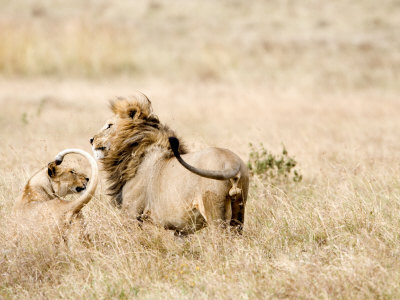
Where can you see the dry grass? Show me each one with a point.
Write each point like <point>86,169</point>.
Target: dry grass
<point>321,78</point>
<point>335,234</point>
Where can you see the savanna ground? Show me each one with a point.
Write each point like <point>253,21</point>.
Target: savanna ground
<point>323,78</point>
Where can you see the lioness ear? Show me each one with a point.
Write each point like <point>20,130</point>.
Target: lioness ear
<point>52,169</point>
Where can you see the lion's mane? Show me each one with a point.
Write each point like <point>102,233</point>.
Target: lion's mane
<point>132,141</point>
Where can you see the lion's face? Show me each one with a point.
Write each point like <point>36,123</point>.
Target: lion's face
<point>66,180</point>
<point>101,142</point>
<point>129,109</point>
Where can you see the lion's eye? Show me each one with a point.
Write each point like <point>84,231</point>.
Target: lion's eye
<point>72,172</point>
<point>109,126</point>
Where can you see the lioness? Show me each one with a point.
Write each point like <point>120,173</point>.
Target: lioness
<point>40,203</point>
<point>146,176</point>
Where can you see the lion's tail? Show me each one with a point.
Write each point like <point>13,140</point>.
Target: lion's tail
<point>76,205</point>
<point>218,175</point>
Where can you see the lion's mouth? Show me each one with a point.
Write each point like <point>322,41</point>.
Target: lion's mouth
<point>98,152</point>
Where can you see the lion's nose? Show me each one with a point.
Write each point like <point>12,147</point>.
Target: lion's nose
<point>91,141</point>
<point>79,189</point>
<point>87,179</point>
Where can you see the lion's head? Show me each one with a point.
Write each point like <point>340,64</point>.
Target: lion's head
<point>101,142</point>
<point>132,108</point>
<point>124,140</point>
<point>66,180</point>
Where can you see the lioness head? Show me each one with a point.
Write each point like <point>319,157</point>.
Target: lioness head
<point>132,108</point>
<point>66,180</point>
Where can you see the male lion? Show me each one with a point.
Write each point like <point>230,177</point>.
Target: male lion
<point>143,162</point>
<point>40,204</point>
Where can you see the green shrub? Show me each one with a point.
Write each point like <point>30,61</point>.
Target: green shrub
<point>276,168</point>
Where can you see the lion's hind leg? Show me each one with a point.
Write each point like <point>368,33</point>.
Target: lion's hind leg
<point>238,210</point>
<point>238,199</point>
<point>215,209</point>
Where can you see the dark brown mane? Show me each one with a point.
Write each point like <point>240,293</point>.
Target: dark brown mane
<point>130,145</point>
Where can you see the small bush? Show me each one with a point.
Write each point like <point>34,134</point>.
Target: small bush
<point>276,168</point>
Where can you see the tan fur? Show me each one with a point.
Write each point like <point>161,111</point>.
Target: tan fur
<point>147,179</point>
<point>137,105</point>
<point>40,205</point>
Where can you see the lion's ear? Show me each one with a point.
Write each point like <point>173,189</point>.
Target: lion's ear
<point>125,109</point>
<point>132,113</point>
<point>52,169</point>
<point>116,106</point>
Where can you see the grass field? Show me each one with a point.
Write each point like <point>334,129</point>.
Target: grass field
<point>320,78</point>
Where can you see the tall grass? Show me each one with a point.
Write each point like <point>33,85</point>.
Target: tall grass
<point>332,235</point>
<point>319,77</point>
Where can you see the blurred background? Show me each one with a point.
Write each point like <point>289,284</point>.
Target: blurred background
<point>282,44</point>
